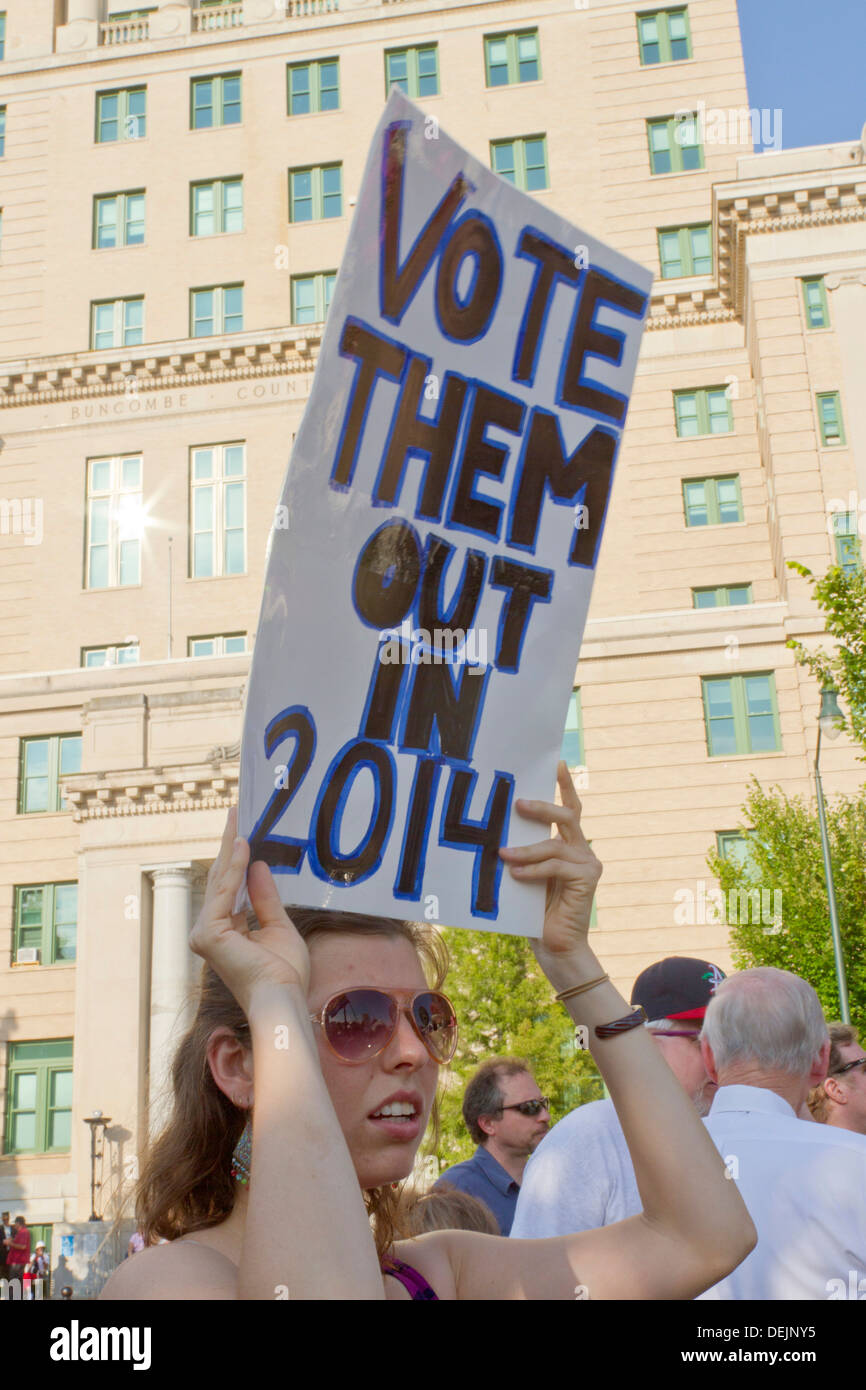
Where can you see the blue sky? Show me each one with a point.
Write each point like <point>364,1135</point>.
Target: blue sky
<point>808,58</point>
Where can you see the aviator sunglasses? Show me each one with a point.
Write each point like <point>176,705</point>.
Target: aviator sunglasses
<point>359,1023</point>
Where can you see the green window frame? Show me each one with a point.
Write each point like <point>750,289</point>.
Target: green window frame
<point>215,101</point>
<point>313,87</point>
<point>722,596</point>
<point>664,36</point>
<point>832,430</point>
<point>674,146</point>
<point>415,70</point>
<point>734,846</point>
<point>523,161</point>
<point>215,310</point>
<point>712,501</point>
<point>216,206</point>
<point>685,251</point>
<point>43,762</point>
<point>741,714</point>
<point>118,219</point>
<point>217,510</point>
<point>115,522</point>
<point>849,553</point>
<point>46,918</point>
<point>315,192</point>
<point>116,323</point>
<point>707,411</point>
<point>220,644</point>
<point>2,131</point>
<point>311,296</point>
<point>572,739</point>
<point>512,58</point>
<point>39,1097</point>
<point>95,658</point>
<point>815,301</point>
<point>121,114</point>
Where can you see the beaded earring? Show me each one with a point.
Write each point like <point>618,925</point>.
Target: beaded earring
<point>241,1156</point>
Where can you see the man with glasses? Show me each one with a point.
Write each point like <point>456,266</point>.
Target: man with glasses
<point>582,1175</point>
<point>507,1116</point>
<point>840,1100</point>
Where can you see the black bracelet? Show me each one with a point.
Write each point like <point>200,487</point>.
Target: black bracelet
<point>622,1025</point>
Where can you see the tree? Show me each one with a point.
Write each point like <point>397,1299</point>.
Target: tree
<point>842,598</point>
<point>506,1006</point>
<point>783,855</point>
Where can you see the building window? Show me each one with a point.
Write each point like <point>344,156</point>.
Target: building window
<point>414,70</point>
<point>316,193</point>
<point>723,596</point>
<point>2,131</point>
<point>664,36</point>
<point>117,323</point>
<point>216,207</point>
<point>118,220</point>
<point>849,555</point>
<point>121,115</point>
<point>313,87</point>
<point>523,161</point>
<point>39,1090</point>
<point>217,507</point>
<point>127,655</point>
<point>674,145</point>
<point>2,35</point>
<point>115,521</point>
<point>511,58</point>
<point>44,764</point>
<point>215,101</point>
<point>741,715</point>
<point>703,412</point>
<point>685,251</point>
<point>815,302</point>
<point>734,846</point>
<point>830,418</point>
<point>46,920</point>
<point>712,501</point>
<point>311,296</point>
<point>219,309</point>
<point>572,739</point>
<point>226,644</point>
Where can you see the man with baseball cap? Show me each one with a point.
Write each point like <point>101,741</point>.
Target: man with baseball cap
<point>581,1176</point>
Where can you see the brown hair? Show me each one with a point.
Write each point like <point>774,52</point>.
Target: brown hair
<point>449,1209</point>
<point>841,1035</point>
<point>483,1096</point>
<point>186,1183</point>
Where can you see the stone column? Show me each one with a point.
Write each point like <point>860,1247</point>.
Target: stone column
<point>170,969</point>
<point>81,30</point>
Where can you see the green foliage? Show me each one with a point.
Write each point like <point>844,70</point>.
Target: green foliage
<point>506,1007</point>
<point>842,599</point>
<point>785,853</point>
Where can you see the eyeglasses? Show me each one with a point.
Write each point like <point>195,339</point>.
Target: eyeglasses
<point>849,1066</point>
<point>529,1107</point>
<point>359,1023</point>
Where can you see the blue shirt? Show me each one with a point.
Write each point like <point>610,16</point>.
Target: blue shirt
<point>481,1176</point>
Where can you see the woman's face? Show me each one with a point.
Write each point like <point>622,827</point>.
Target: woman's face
<point>383,1149</point>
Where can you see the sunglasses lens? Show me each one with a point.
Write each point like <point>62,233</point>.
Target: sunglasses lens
<point>360,1023</point>
<point>437,1024</point>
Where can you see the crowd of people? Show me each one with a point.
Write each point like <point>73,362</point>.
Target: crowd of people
<point>18,1264</point>
<point>728,1161</point>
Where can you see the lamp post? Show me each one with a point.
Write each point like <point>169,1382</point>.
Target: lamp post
<point>827,725</point>
<point>94,1120</point>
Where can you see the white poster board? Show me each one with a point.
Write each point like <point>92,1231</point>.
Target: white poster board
<point>433,550</point>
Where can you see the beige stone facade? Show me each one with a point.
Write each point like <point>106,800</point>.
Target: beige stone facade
<point>159,737</point>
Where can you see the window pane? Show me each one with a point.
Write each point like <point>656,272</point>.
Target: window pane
<point>497,62</point>
<point>202,309</point>
<point>332,199</point>
<point>202,104</point>
<point>721,731</point>
<point>729,502</point>
<point>649,31</point>
<point>696,504</point>
<point>127,656</point>
<point>660,156</point>
<point>234,552</point>
<point>129,562</point>
<point>235,644</point>
<point>103,322</point>
<point>30,907</point>
<point>299,91</point>
<point>203,556</point>
<point>231,87</point>
<point>203,221</point>
<point>669,254</point>
<point>233,299</point>
<point>108,117</point>
<point>234,504</point>
<point>202,463</point>
<point>702,254</point>
<point>130,475</point>
<point>717,405</point>
<point>135,219</point>
<point>527,57</point>
<point>687,415</point>
<point>304,295</point>
<point>100,475</point>
<point>302,195</point>
<point>233,460</point>
<point>329,283</point>
<point>97,577</point>
<point>24,1090</point>
<point>203,509</point>
<point>759,707</point>
<point>398,71</point>
<point>106,222</point>
<point>203,646</point>
<point>233,217</point>
<point>705,598</point>
<point>503,160</point>
<point>536,170</point>
<point>70,756</point>
<point>738,595</point>
<point>428,81</point>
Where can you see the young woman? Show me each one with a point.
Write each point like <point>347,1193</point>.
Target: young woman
<point>334,1044</point>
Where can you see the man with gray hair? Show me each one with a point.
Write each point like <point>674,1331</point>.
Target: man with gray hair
<point>765,1042</point>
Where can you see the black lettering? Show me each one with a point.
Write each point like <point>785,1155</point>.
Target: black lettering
<point>386,575</point>
<point>329,862</point>
<point>525,585</point>
<point>414,852</point>
<point>553,264</point>
<point>544,468</point>
<point>484,837</point>
<point>489,407</point>
<point>375,357</point>
<point>464,604</point>
<point>470,321</point>
<point>586,339</point>
<point>413,434</point>
<point>449,697</point>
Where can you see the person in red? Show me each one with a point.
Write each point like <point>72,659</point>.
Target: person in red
<point>18,1249</point>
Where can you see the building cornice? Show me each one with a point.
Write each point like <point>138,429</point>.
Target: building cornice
<point>152,791</point>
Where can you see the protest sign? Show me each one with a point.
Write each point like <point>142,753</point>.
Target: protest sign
<point>433,550</point>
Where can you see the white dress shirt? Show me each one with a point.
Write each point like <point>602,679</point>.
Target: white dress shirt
<point>805,1187</point>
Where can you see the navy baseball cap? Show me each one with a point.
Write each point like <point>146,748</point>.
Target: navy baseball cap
<point>677,987</point>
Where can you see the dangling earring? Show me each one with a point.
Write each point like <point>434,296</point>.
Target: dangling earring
<point>242,1154</point>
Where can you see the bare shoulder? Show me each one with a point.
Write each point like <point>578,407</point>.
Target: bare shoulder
<point>178,1270</point>
<point>437,1256</point>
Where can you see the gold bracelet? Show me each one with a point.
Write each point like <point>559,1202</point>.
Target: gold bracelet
<point>578,989</point>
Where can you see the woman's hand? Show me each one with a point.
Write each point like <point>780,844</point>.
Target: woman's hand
<point>570,868</point>
<point>245,960</point>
